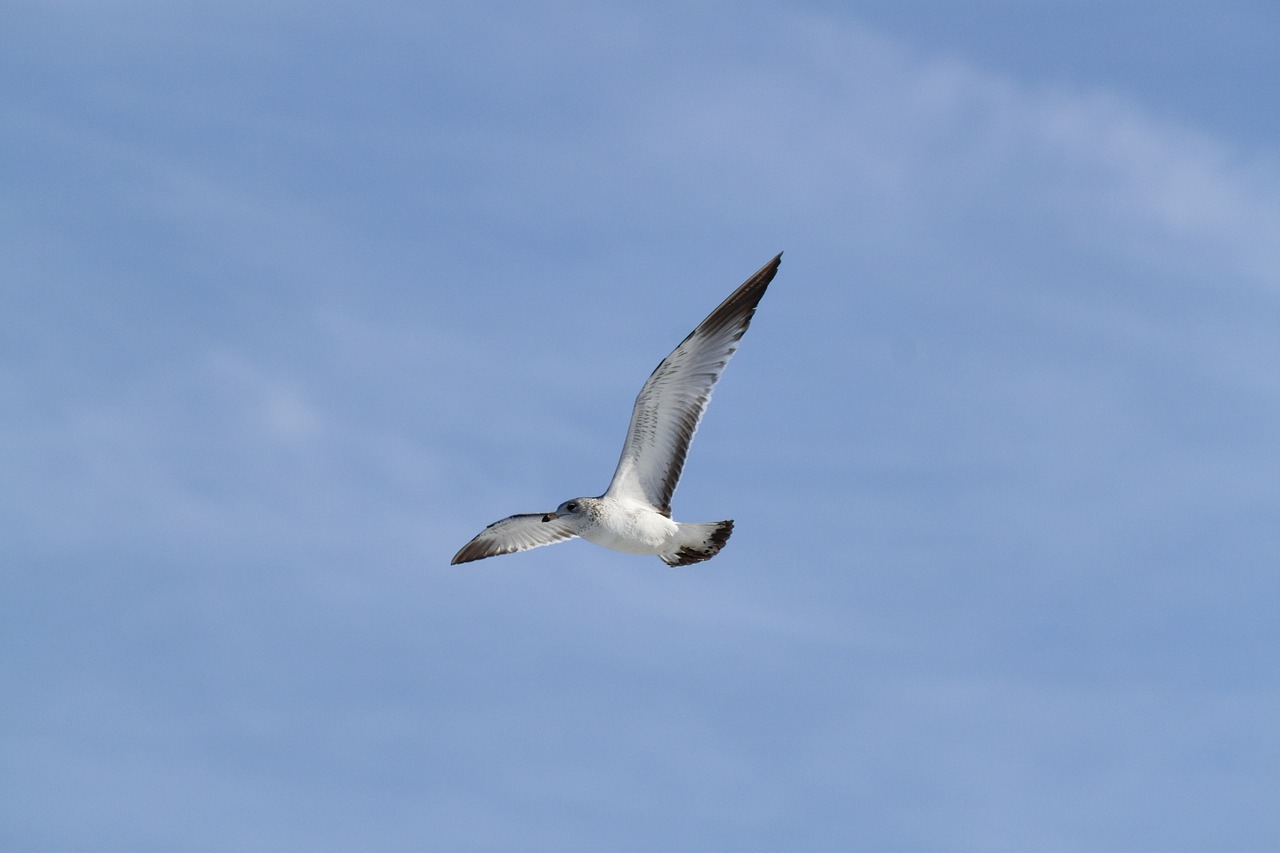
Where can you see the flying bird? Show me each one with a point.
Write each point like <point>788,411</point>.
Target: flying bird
<point>634,513</point>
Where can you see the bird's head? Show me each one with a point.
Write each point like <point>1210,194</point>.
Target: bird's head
<point>569,509</point>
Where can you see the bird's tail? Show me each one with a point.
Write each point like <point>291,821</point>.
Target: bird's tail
<point>698,542</point>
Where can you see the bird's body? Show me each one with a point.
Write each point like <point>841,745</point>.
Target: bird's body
<point>634,513</point>
<point>632,527</point>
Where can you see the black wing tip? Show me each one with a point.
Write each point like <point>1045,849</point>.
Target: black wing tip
<point>764,275</point>
<point>472,552</point>
<point>769,270</point>
<point>740,305</point>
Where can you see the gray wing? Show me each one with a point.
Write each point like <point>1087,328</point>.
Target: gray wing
<point>672,401</point>
<point>517,533</point>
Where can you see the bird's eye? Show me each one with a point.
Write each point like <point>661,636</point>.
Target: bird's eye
<point>571,506</point>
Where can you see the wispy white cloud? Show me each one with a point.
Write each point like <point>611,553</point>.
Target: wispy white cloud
<point>841,128</point>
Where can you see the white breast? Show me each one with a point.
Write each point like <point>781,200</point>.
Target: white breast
<point>630,527</point>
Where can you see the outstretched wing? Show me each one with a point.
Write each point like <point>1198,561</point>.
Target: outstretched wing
<point>672,401</point>
<point>517,533</point>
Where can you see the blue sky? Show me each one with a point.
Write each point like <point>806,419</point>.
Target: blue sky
<point>295,298</point>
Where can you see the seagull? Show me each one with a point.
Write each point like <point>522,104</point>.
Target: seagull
<point>634,513</point>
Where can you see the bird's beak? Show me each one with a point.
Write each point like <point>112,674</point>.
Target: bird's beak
<point>551,516</point>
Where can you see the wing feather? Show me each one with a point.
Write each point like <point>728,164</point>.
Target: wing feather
<point>516,533</point>
<point>671,403</point>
